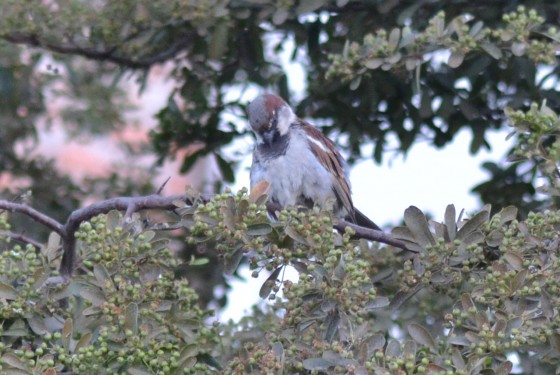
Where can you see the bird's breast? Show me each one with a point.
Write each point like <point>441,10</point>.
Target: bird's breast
<point>295,175</point>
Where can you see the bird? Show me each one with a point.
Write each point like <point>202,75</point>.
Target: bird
<point>302,166</point>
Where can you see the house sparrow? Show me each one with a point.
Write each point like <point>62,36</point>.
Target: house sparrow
<point>302,166</point>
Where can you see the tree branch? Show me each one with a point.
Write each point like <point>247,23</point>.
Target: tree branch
<point>130,205</point>
<point>370,234</point>
<point>361,232</point>
<point>22,238</point>
<point>127,204</point>
<point>34,215</point>
<point>109,54</point>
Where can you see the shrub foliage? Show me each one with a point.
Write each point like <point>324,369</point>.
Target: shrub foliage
<point>472,293</point>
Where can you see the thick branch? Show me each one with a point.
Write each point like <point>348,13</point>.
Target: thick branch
<point>127,204</point>
<point>34,215</point>
<point>110,54</point>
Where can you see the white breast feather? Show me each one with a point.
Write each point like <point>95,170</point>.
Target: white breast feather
<point>293,175</point>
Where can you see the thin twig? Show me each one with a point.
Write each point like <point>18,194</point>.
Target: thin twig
<point>370,234</point>
<point>102,55</point>
<point>22,238</point>
<point>163,185</point>
<point>361,232</point>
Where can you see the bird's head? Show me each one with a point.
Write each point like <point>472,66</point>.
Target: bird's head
<point>270,117</point>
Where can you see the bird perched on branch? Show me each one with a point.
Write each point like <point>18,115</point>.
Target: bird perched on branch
<point>302,166</point>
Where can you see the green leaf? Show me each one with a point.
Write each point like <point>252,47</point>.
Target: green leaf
<point>508,214</point>
<point>37,324</point>
<point>518,48</point>
<point>135,370</point>
<point>393,348</point>
<point>514,260</point>
<point>409,349</point>
<point>190,159</point>
<point>199,261</point>
<point>280,16</point>
<point>231,262</point>
<point>8,292</point>
<point>113,220</point>
<point>494,238</point>
<point>505,368</point>
<point>188,355</point>
<point>473,238</point>
<point>67,330</point>
<point>546,305</point>
<point>450,222</point>
<point>476,28</point>
<point>226,169</point>
<point>53,247</point>
<point>131,317</point>
<point>418,225</point>
<point>14,361</point>
<point>83,341</point>
<point>518,280</point>
<point>102,276</point>
<point>93,295</point>
<point>292,233</point>
<point>456,59</point>
<point>355,83</point>
<point>403,296</point>
<point>218,44</point>
<point>457,359</point>
<point>467,302</point>
<point>270,282</point>
<point>278,350</point>
<point>493,50</point>
<point>500,326</point>
<point>374,62</point>
<point>190,350</point>
<point>318,364</point>
<point>148,235</point>
<point>394,38</point>
<point>332,322</point>
<point>309,6</point>
<point>17,329</point>
<point>473,224</point>
<point>377,303</point>
<point>422,336</point>
<point>259,229</point>
<point>300,267</point>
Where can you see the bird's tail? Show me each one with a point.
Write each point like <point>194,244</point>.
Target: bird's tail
<point>362,220</point>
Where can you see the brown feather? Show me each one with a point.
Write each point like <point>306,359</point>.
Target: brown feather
<point>332,161</point>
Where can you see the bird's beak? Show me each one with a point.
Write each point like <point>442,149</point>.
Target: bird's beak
<point>268,137</point>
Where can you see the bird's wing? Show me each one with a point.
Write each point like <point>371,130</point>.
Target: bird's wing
<point>326,152</point>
